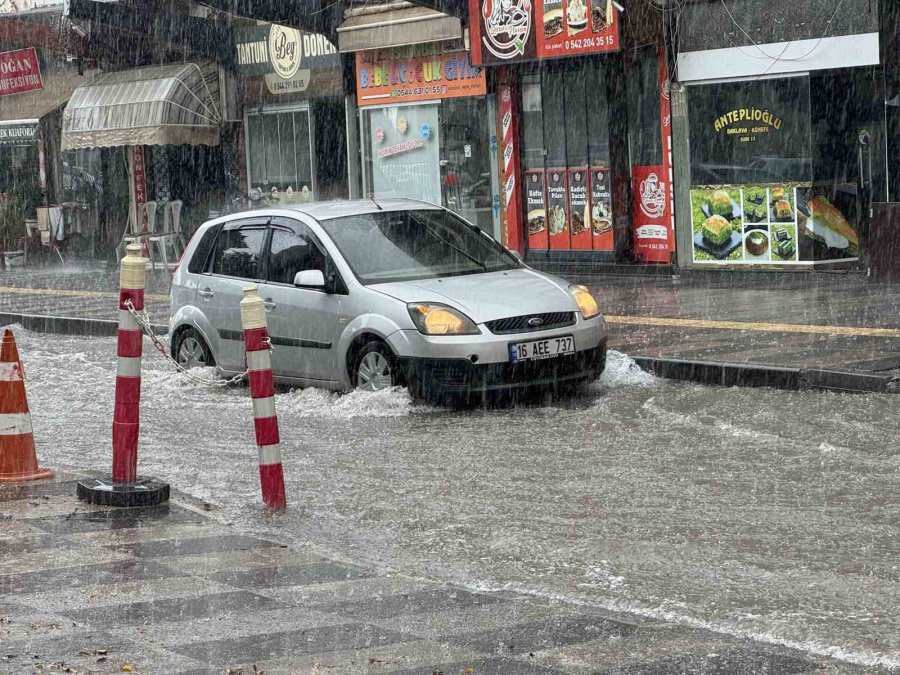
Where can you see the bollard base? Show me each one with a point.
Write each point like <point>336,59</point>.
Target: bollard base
<point>143,491</point>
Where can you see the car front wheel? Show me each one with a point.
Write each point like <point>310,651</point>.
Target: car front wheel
<point>191,351</point>
<point>374,367</point>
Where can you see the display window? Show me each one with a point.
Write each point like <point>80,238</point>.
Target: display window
<point>762,190</point>
<point>436,151</point>
<point>566,156</point>
<point>280,154</point>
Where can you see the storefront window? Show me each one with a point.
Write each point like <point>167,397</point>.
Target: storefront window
<point>565,150</point>
<point>437,151</point>
<point>279,153</point>
<point>754,196</point>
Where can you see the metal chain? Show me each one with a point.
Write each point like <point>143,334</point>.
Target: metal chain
<point>143,320</point>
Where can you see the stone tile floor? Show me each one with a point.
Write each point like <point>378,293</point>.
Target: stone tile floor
<point>171,589</point>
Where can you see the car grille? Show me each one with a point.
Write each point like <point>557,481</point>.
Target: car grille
<point>519,324</point>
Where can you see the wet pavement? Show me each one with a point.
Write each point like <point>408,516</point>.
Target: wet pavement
<point>837,321</point>
<point>643,526</point>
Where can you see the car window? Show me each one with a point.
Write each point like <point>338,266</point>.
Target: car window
<point>403,245</point>
<point>198,261</point>
<point>238,252</point>
<point>290,253</point>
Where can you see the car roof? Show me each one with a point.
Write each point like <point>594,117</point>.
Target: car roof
<point>341,207</point>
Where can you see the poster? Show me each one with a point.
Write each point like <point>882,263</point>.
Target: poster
<point>651,211</point>
<point>522,30</point>
<point>557,209</point>
<point>579,212</point>
<point>778,223</point>
<point>536,207</point>
<point>601,211</point>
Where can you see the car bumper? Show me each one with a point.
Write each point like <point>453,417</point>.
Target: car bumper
<point>444,377</point>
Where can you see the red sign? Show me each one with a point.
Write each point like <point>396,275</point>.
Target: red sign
<point>510,191</point>
<point>19,72</point>
<point>522,30</point>
<point>654,236</point>
<point>382,77</point>
<point>139,178</point>
<point>651,213</point>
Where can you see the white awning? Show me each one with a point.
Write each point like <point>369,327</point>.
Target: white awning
<point>172,104</point>
<point>395,26</point>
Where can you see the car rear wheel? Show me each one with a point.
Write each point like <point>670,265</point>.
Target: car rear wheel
<point>374,368</point>
<point>190,350</point>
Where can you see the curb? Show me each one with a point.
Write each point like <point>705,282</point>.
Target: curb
<point>776,377</point>
<point>69,325</point>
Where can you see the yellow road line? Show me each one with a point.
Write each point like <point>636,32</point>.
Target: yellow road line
<point>747,325</point>
<point>75,294</point>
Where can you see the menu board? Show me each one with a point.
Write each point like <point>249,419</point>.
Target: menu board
<point>522,30</point>
<point>557,209</point>
<point>579,213</point>
<point>601,211</point>
<point>778,224</point>
<point>536,209</point>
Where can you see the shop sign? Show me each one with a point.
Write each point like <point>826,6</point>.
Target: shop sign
<point>523,30</point>
<point>579,209</point>
<point>536,207</point>
<point>281,52</point>
<point>19,72</point>
<point>601,210</point>
<point>139,178</point>
<point>383,76</point>
<point>18,133</point>
<point>512,204</point>
<point>557,209</point>
<point>650,213</point>
<point>747,124</point>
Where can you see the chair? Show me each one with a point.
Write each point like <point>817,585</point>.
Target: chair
<point>170,235</point>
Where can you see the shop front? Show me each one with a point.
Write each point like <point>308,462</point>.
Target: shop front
<point>293,114</point>
<point>583,126</point>
<point>427,130</point>
<point>786,147</point>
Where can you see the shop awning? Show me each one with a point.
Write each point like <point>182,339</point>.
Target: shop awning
<point>395,25</point>
<point>159,105</point>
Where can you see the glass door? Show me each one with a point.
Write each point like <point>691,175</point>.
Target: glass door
<point>280,152</point>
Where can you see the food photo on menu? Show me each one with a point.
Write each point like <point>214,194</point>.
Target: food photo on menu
<point>826,232</point>
<point>717,222</point>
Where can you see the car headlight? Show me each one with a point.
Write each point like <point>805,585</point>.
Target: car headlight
<point>436,319</point>
<point>585,300</point>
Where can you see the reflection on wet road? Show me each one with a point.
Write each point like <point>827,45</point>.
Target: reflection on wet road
<point>754,512</point>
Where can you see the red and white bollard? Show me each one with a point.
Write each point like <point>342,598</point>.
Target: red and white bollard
<point>262,391</point>
<point>124,487</point>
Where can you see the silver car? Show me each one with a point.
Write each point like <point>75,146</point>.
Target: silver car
<point>376,294</point>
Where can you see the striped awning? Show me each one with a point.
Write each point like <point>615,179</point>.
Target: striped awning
<point>171,104</point>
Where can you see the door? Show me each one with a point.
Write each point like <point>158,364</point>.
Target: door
<point>304,323</point>
<point>236,261</point>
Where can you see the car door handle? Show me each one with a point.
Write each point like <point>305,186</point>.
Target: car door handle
<point>269,304</point>
<point>206,293</point>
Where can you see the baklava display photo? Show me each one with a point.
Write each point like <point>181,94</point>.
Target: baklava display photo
<point>717,221</point>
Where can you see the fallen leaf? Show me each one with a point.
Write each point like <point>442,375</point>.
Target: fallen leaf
<point>102,651</point>
<point>468,670</point>
<point>128,668</point>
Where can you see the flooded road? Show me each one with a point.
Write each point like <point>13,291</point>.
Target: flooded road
<point>759,513</point>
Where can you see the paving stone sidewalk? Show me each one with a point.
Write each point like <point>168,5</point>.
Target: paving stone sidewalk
<point>172,590</point>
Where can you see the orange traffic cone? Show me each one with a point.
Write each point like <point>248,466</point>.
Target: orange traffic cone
<point>18,460</point>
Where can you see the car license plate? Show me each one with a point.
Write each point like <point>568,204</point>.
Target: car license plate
<point>547,348</point>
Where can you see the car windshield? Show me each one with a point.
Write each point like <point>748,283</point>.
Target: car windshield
<point>403,245</point>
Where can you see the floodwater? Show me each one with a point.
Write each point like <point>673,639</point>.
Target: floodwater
<point>759,513</point>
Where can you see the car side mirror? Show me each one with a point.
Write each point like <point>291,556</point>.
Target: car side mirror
<point>516,255</point>
<point>310,279</point>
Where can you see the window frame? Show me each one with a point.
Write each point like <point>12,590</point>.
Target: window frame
<point>246,223</point>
